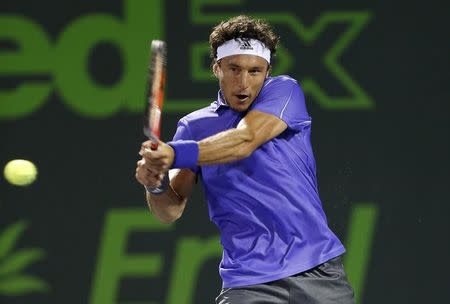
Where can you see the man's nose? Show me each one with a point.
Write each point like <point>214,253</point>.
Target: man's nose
<point>243,80</point>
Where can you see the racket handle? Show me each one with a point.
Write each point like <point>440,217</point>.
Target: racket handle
<point>154,145</point>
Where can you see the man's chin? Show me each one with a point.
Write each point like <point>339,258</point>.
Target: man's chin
<point>240,108</point>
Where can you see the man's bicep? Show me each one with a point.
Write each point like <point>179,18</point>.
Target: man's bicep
<point>262,126</point>
<point>182,182</point>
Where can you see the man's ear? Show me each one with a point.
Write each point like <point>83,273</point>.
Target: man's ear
<point>215,69</point>
<point>269,70</point>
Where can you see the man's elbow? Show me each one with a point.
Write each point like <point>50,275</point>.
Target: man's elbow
<point>167,219</point>
<point>169,216</point>
<point>246,148</point>
<point>244,151</point>
<point>246,135</point>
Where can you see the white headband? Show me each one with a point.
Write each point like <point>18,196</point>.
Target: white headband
<point>240,46</point>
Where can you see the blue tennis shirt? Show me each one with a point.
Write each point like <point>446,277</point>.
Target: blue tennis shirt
<point>266,206</point>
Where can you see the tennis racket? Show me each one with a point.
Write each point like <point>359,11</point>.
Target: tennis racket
<point>155,92</point>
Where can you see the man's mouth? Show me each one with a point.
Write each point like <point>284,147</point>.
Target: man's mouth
<point>242,97</point>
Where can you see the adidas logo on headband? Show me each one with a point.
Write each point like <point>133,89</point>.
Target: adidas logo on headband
<point>245,44</point>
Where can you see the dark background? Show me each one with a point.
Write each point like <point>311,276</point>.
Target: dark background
<point>395,155</point>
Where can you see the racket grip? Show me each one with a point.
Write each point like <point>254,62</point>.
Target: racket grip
<point>154,145</point>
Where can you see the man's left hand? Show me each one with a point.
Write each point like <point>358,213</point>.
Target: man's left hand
<point>160,159</point>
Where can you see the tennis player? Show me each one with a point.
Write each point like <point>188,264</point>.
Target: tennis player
<point>251,150</point>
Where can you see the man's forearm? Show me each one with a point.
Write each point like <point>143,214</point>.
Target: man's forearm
<point>227,146</point>
<point>167,207</point>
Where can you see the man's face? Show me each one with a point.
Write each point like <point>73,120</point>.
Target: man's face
<point>241,78</point>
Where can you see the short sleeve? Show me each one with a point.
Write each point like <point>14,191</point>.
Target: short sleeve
<point>283,97</point>
<point>183,133</point>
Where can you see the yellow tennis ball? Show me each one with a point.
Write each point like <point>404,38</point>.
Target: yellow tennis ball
<point>20,172</point>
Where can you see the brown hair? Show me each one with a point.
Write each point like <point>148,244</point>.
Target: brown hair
<point>243,27</point>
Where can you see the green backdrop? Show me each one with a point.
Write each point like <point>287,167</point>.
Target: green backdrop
<point>72,83</point>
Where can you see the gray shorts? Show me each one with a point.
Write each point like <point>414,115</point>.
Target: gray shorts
<point>323,284</point>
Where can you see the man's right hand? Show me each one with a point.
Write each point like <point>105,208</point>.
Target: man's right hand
<point>147,175</point>
<point>154,164</point>
<point>150,172</point>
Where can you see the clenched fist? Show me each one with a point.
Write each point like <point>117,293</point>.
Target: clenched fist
<point>154,164</point>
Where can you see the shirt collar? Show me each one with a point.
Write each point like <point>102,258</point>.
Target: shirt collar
<point>220,102</point>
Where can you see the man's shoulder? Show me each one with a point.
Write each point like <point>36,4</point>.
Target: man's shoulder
<point>283,80</point>
<point>200,115</point>
<point>277,86</point>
